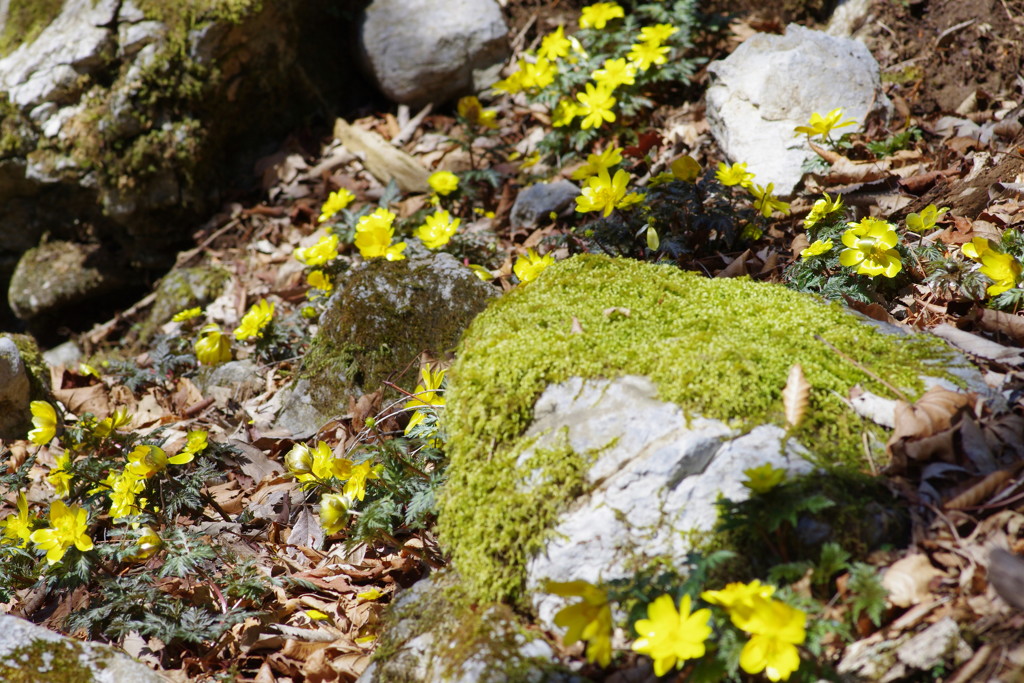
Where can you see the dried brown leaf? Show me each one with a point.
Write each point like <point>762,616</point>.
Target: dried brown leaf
<point>796,395</point>
<point>80,400</point>
<point>979,491</point>
<point>907,580</point>
<point>931,414</point>
<point>1006,323</point>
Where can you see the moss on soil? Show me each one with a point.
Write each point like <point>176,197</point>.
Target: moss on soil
<point>718,348</point>
<point>51,661</point>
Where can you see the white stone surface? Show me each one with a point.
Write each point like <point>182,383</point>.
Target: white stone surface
<point>770,84</point>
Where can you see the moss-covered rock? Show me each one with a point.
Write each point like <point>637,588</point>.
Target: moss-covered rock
<point>181,289</point>
<point>718,349</point>
<point>387,314</point>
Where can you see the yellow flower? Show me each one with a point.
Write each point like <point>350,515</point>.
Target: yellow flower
<point>437,230</point>
<point>336,201</point>
<point>539,74</point>
<point>685,168</point>
<point>823,126</point>
<point>870,246</point>
<point>374,233</point>
<point>595,106</point>
<point>443,182</point>
<point>124,489</point>
<point>1003,269</point>
<point>565,111</point>
<point>924,221</point>
<point>372,594</point>
<point>776,630</point>
<point>469,108</point>
<point>616,72</point>
<point>85,370</point>
<point>318,463</point>
<point>823,207</point>
<point>530,265</point>
<point>60,476</point>
<point>590,619</point>
<point>187,314</point>
<point>145,460</point>
<point>109,425</point>
<point>764,478</point>
<point>599,14</point>
<point>18,526</point>
<point>643,55</point>
<point>658,33</point>
<point>598,162</point>
<point>510,85</point>
<point>326,249</point>
<point>736,174</point>
<point>317,615</point>
<point>604,194</point>
<point>976,248</point>
<point>299,461</point>
<point>255,320</point>
<point>68,526</point>
<point>765,202</point>
<point>481,272</point>
<point>554,45</point>
<point>44,419</point>
<point>355,487</point>
<point>212,347</point>
<point>670,637</point>
<point>148,543</point>
<point>195,442</point>
<point>740,600</point>
<point>816,249</point>
<point>426,392</point>
<point>318,279</point>
<point>333,512</point>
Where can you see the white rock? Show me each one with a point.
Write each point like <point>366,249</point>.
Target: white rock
<point>435,51</point>
<point>771,84</point>
<point>658,474</point>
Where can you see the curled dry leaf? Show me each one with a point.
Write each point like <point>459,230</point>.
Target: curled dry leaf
<point>979,491</point>
<point>907,580</point>
<point>931,414</point>
<point>795,396</point>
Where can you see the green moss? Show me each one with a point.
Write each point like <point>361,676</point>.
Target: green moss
<point>180,289</point>
<point>25,21</point>
<point>16,135</point>
<point>52,661</point>
<point>719,348</point>
<point>35,365</point>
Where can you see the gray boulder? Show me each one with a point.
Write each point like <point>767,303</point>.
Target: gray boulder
<point>14,391</point>
<point>33,653</point>
<point>770,84</point>
<point>535,203</point>
<point>420,51</point>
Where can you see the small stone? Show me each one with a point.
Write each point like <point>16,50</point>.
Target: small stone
<point>537,202</point>
<point>14,391</point>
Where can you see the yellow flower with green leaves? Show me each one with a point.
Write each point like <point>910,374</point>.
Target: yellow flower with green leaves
<point>187,314</point>
<point>212,347</point>
<point>529,265</point>
<point>60,476</point>
<point>554,45</point>
<point>68,527</point>
<point>125,487</point>
<point>564,113</point>
<point>739,600</point>
<point>18,525</point>
<point>734,174</point>
<point>822,208</point>
<point>359,475</point>
<point>824,125</point>
<point>599,14</point>
<point>334,512</point>
<point>195,442</point>
<point>437,229</point>
<point>870,247</point>
<point>255,321</point>
<point>658,33</point>
<point>816,249</point>
<point>925,221</point>
<point>44,419</point>
<point>644,55</point>
<point>1002,268</point>
<point>443,182</point>
<point>326,249</point>
<point>595,106</point>
<point>317,463</point>
<point>336,201</point>
<point>764,478</point>
<point>539,74</point>
<point>670,637</point>
<point>604,193</point>
<point>425,394</point>
<point>145,460</point>
<point>610,156</point>
<point>319,280</point>
<point>109,425</point>
<point>765,202</point>
<point>589,620</point>
<point>471,110</point>
<point>614,73</point>
<point>776,629</point>
<point>147,543</point>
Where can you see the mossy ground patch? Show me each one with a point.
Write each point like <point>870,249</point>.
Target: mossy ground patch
<point>716,347</point>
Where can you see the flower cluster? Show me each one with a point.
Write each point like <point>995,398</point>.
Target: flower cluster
<point>374,234</point>
<point>319,465</point>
